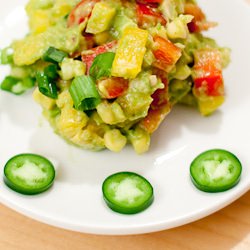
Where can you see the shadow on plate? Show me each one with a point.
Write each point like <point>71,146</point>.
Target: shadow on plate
<point>180,120</point>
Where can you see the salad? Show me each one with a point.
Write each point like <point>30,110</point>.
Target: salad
<point>108,72</point>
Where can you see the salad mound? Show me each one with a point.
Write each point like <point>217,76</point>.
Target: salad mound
<point>108,72</point>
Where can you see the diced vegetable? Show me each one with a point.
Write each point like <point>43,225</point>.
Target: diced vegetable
<point>127,192</point>
<point>111,113</point>
<point>6,55</point>
<point>51,71</point>
<point>178,89</point>
<point>89,56</point>
<point>101,18</point>
<point>149,1</point>
<point>54,55</point>
<point>81,12</point>
<point>130,52</point>
<point>29,174</point>
<point>199,23</point>
<point>112,87</point>
<point>121,22</point>
<point>102,64</point>
<point>17,86</point>
<point>140,139</point>
<point>46,85</point>
<point>114,140</point>
<point>159,109</point>
<point>178,27</point>
<point>215,170</point>
<point>172,8</point>
<point>148,16</point>
<point>84,93</point>
<point>166,53</point>
<point>30,49</point>
<point>71,68</point>
<point>208,80</point>
<point>71,122</point>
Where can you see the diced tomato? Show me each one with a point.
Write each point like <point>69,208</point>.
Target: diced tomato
<point>154,118</point>
<point>166,53</point>
<point>160,96</point>
<point>89,56</point>
<point>199,22</point>
<point>208,79</point>
<point>212,84</point>
<point>159,108</point>
<point>85,44</point>
<point>90,41</point>
<point>81,12</point>
<point>149,15</point>
<point>149,1</point>
<point>153,3</point>
<point>112,87</point>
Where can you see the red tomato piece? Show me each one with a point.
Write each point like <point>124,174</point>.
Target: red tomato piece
<point>199,22</point>
<point>153,3</point>
<point>160,96</point>
<point>112,87</point>
<point>212,84</point>
<point>159,108</point>
<point>166,53</point>
<point>82,11</point>
<point>149,15</point>
<point>89,38</point>
<point>89,56</point>
<point>153,119</point>
<point>149,1</point>
<point>208,79</point>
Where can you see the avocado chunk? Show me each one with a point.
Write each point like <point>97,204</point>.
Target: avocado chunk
<point>101,18</point>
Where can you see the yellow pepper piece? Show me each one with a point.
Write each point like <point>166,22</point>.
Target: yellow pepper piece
<point>130,52</point>
<point>209,104</point>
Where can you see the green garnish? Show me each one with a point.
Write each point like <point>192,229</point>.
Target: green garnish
<point>84,93</point>
<point>54,55</point>
<point>102,64</point>
<point>16,85</point>
<point>46,85</point>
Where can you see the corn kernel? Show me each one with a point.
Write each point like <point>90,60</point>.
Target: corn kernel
<point>114,140</point>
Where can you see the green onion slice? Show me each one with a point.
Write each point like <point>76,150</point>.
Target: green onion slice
<point>46,86</point>
<point>51,71</point>
<point>102,64</point>
<point>54,55</point>
<point>16,85</point>
<point>6,55</point>
<point>84,93</point>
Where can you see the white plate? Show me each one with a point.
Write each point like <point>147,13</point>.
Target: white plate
<point>75,201</point>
